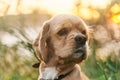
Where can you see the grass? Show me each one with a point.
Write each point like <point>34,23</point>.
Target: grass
<point>96,70</point>
<point>101,70</point>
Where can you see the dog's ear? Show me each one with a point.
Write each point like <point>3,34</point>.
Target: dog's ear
<point>40,45</point>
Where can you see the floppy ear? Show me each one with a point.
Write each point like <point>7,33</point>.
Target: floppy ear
<point>40,45</point>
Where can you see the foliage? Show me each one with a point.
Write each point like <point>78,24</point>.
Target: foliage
<point>101,70</point>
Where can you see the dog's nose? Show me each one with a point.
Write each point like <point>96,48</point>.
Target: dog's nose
<point>80,39</point>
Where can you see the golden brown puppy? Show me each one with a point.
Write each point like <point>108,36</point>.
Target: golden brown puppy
<point>62,44</point>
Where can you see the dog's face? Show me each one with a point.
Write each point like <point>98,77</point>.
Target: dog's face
<point>62,37</point>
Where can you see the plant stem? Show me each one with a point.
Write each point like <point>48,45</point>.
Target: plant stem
<point>102,69</point>
<point>116,75</point>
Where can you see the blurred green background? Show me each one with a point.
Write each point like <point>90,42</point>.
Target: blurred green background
<point>20,21</point>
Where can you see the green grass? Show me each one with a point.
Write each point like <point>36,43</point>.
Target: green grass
<point>101,70</point>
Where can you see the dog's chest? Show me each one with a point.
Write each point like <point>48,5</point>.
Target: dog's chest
<point>49,73</point>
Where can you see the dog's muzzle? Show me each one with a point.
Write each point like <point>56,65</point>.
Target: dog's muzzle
<point>80,49</point>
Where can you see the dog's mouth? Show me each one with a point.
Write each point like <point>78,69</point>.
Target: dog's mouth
<point>79,53</point>
<point>80,50</point>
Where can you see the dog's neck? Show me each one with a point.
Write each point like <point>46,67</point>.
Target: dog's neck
<point>48,73</point>
<point>55,72</point>
<point>51,74</point>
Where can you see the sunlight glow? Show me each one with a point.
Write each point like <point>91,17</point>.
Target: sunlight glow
<point>115,9</point>
<point>52,6</point>
<point>88,14</point>
<point>85,13</point>
<point>58,6</point>
<point>101,4</point>
<point>116,18</point>
<point>8,39</point>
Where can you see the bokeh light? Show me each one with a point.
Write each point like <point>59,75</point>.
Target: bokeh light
<point>116,18</point>
<point>115,8</point>
<point>115,12</point>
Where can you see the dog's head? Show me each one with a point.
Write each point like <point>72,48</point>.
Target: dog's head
<point>63,37</point>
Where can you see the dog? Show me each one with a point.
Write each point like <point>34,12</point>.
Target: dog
<point>61,44</point>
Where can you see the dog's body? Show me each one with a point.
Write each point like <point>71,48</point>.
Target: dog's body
<point>61,44</point>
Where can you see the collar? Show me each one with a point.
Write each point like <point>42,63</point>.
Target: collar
<point>60,76</point>
<point>63,75</point>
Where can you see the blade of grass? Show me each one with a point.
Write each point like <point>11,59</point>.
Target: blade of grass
<point>110,66</point>
<point>116,66</point>
<point>30,47</point>
<point>102,69</point>
<point>27,43</point>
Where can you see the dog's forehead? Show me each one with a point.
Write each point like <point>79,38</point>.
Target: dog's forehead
<point>60,20</point>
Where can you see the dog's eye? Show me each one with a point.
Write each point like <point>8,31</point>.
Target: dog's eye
<point>62,32</point>
<point>83,32</point>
